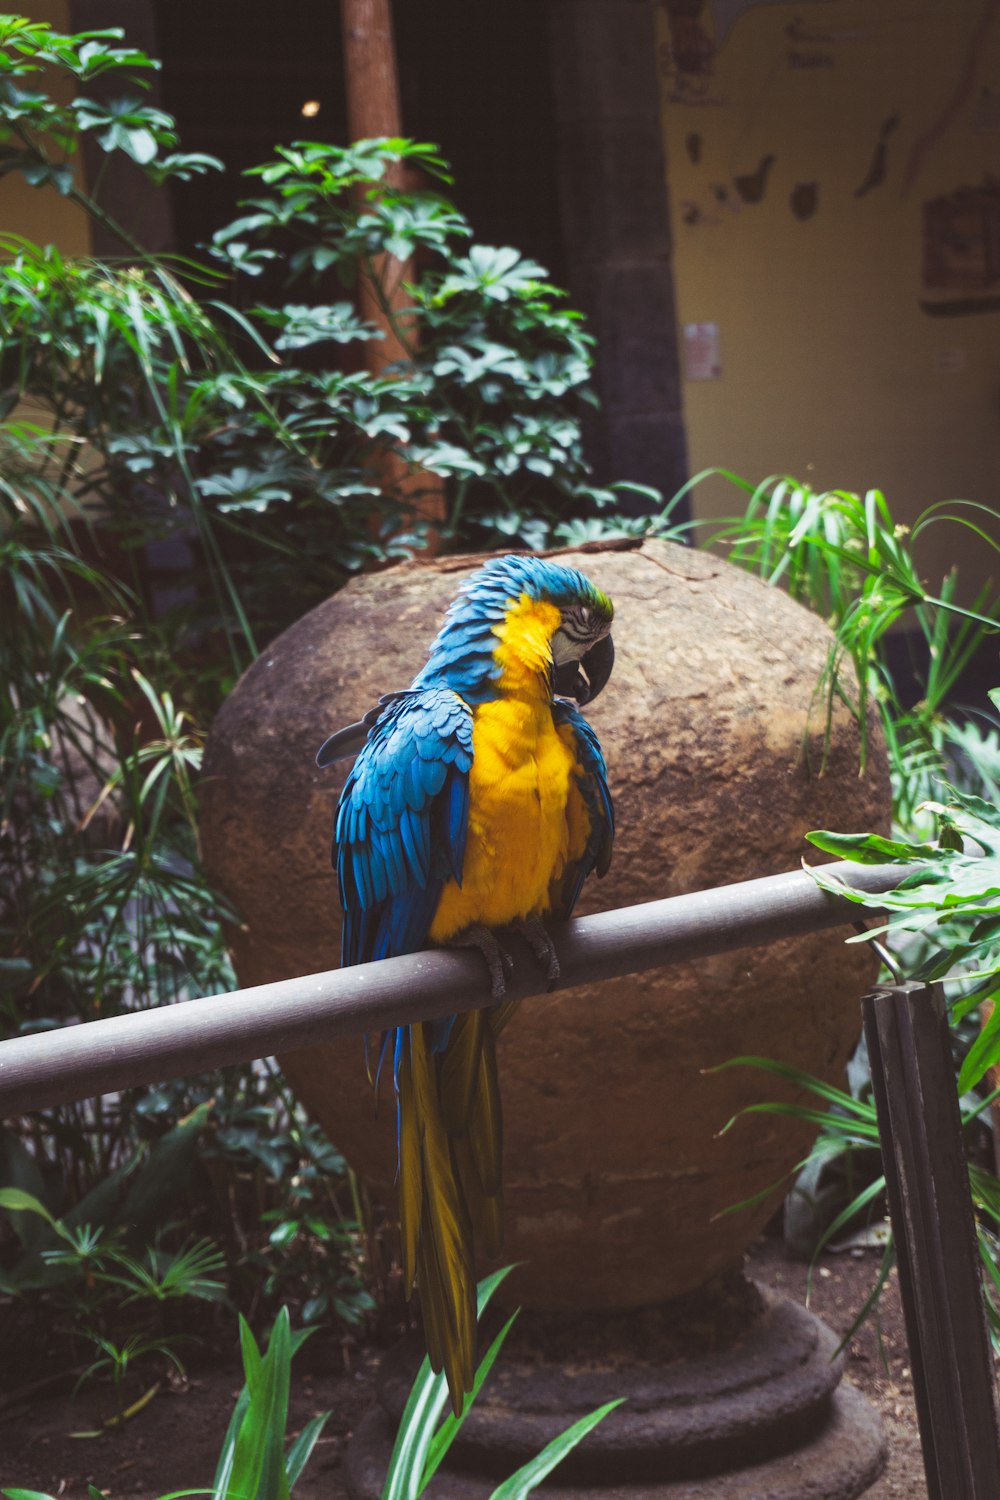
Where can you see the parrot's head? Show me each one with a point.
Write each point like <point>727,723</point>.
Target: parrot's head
<point>576,616</point>
<point>583,652</point>
<point>522,617</point>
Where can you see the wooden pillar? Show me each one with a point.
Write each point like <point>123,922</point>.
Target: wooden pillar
<point>927,1185</point>
<point>372,87</point>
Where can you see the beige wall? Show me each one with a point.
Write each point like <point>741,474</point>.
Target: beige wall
<point>40,214</point>
<point>830,369</point>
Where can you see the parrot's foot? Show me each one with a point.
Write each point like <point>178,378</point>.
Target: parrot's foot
<point>498,960</point>
<point>536,935</point>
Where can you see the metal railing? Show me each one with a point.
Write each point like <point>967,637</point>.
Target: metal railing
<point>149,1046</point>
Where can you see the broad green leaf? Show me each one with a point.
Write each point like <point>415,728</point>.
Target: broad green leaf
<point>870,848</point>
<point>255,1457</point>
<point>16,1200</point>
<point>982,1055</point>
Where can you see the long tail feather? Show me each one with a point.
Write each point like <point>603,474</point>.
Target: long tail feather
<point>460,1070</point>
<point>485,1130</point>
<point>446,1248</point>
<point>411,1169</point>
<point>449,1182</point>
<point>485,1209</point>
<point>501,1014</point>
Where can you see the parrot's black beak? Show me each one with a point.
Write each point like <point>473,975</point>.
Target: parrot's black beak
<point>584,679</point>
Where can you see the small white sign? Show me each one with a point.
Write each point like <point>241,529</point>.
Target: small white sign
<point>701,351</point>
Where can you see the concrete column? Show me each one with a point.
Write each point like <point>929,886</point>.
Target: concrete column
<point>616,231</point>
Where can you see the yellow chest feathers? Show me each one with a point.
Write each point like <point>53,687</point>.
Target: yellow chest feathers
<point>521,778</point>
<point>518,832</point>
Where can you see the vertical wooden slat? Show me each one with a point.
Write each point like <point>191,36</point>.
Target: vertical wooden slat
<point>928,1190</point>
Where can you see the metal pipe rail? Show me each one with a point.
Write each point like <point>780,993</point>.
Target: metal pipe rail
<point>194,1036</point>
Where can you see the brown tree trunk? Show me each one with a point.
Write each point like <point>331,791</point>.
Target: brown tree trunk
<point>373,109</point>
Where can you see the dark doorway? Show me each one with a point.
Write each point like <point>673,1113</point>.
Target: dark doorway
<point>548,111</point>
<point>473,80</point>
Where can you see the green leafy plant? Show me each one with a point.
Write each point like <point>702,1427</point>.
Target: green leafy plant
<point>940,923</point>
<point>950,901</point>
<point>849,1124</point>
<point>134,1197</point>
<point>40,136</point>
<point>845,556</point>
<point>254,1460</point>
<point>89,1274</point>
<point>252,434</point>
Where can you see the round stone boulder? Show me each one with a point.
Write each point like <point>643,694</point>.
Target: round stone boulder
<point>714,729</point>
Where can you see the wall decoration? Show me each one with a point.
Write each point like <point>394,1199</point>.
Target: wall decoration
<point>752,187</point>
<point>702,360</point>
<point>691,52</point>
<point>692,213</point>
<point>875,175</point>
<point>726,13</point>
<point>961,93</point>
<point>692,145</point>
<point>698,28</point>
<point>805,199</point>
<point>961,252</point>
<point>813,57</point>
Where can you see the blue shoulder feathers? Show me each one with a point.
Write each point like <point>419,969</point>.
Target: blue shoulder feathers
<point>401,824</point>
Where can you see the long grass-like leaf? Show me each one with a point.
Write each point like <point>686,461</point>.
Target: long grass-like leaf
<point>529,1477</point>
<point>871,1301</point>
<point>428,1395</point>
<point>827,1091</point>
<point>449,1429</point>
<point>300,1450</point>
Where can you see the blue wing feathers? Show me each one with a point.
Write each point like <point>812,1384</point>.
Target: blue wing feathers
<point>592,780</point>
<point>402,820</point>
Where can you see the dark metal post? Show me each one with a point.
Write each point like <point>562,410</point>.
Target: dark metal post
<point>913,1080</point>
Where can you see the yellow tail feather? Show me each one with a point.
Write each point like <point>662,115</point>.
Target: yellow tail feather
<point>411,1170</point>
<point>450,1167</point>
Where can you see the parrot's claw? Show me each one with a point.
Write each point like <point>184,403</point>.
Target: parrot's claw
<point>498,960</point>
<point>536,935</point>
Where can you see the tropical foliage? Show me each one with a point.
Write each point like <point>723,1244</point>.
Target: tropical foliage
<point>191,455</point>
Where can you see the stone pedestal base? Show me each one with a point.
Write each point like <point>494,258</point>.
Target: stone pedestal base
<point>759,1415</point>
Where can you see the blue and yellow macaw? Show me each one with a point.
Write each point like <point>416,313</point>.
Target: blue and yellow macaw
<point>478,801</point>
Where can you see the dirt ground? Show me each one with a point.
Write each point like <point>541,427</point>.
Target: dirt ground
<point>173,1443</point>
